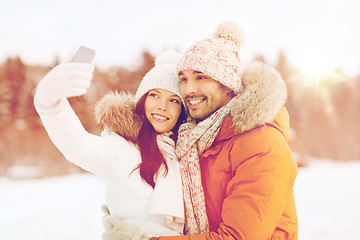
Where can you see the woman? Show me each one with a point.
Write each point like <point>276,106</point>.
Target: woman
<point>134,154</point>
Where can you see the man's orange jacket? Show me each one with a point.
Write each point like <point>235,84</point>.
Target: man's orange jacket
<point>248,173</point>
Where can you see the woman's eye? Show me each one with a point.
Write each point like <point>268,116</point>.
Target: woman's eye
<point>174,101</point>
<point>153,95</point>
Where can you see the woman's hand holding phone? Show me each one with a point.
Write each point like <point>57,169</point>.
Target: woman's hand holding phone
<point>67,79</point>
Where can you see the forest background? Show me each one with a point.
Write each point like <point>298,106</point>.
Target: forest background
<point>324,112</point>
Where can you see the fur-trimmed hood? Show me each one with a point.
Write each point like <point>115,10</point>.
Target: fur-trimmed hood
<point>115,112</point>
<point>262,97</point>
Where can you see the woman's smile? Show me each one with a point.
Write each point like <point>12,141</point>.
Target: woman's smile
<point>158,117</point>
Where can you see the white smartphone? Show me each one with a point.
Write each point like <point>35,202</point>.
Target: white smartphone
<point>84,55</point>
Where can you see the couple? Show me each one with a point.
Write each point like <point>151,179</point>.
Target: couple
<point>230,174</point>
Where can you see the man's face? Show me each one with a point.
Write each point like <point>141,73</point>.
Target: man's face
<point>202,94</point>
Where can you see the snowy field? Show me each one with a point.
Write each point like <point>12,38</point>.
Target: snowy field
<point>66,208</point>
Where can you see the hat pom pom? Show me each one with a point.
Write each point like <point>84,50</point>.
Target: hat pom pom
<point>231,31</point>
<point>168,57</point>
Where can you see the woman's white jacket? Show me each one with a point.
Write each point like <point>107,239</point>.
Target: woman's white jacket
<point>113,156</point>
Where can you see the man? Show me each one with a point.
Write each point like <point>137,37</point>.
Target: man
<point>237,168</point>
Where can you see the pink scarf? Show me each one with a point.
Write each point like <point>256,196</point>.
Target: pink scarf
<point>193,140</point>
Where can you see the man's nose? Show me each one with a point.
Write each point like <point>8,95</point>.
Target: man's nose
<point>190,87</point>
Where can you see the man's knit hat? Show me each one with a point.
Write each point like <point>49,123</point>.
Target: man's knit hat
<point>163,75</point>
<point>218,56</point>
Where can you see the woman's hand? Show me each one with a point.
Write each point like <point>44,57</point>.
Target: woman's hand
<point>63,81</point>
<point>118,229</point>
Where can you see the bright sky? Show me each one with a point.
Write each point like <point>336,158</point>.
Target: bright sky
<point>317,35</point>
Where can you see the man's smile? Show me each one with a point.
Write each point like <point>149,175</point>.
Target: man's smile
<point>195,102</point>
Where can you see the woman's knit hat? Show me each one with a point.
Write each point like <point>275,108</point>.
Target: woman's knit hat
<point>218,56</point>
<point>163,75</point>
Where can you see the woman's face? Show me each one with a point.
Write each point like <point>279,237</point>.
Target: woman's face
<point>162,109</point>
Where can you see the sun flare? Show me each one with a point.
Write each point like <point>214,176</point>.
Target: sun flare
<point>319,79</point>
<point>312,78</point>
<point>315,58</point>
<point>316,68</point>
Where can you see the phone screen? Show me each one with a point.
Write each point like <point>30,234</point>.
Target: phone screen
<point>84,55</point>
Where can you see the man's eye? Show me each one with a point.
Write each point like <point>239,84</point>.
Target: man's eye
<point>182,79</point>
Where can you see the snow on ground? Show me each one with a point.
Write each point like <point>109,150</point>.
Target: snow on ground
<point>327,197</point>
<point>58,208</point>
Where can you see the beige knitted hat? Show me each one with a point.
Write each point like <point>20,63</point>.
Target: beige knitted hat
<point>217,56</point>
<point>163,75</point>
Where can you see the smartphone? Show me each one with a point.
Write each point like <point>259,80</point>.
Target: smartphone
<point>84,55</point>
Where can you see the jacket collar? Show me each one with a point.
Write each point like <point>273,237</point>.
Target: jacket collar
<point>280,122</point>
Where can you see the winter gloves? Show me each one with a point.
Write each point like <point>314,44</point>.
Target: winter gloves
<point>63,81</point>
<point>117,229</point>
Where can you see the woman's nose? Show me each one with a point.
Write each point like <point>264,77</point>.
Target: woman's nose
<point>162,105</point>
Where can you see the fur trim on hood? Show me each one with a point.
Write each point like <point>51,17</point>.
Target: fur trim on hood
<point>263,95</point>
<point>115,112</point>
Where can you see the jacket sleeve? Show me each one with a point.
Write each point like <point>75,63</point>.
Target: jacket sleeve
<point>263,173</point>
<point>91,152</point>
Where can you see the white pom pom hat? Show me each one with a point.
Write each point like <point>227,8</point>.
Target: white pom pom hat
<point>218,56</point>
<point>163,75</point>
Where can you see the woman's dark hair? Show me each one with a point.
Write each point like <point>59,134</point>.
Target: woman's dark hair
<point>151,157</point>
